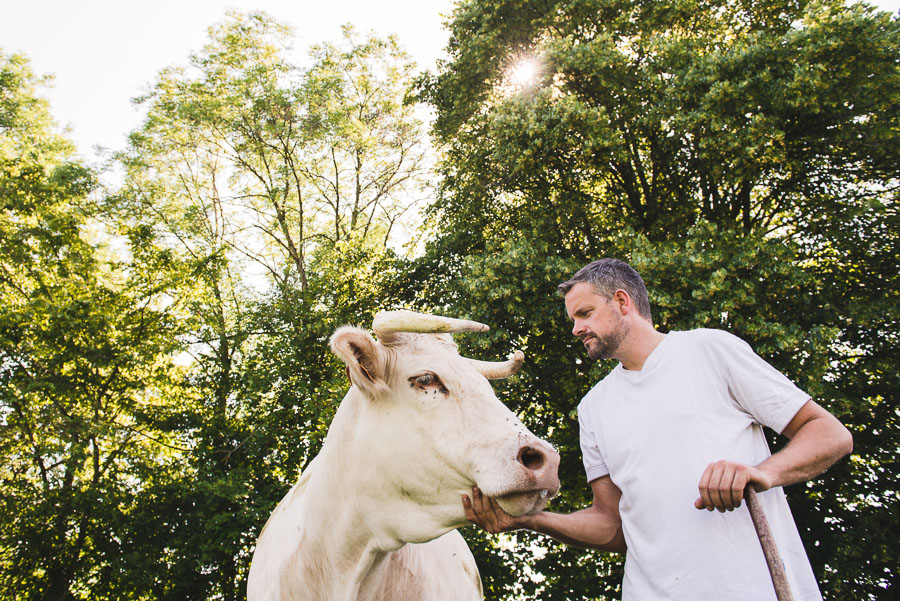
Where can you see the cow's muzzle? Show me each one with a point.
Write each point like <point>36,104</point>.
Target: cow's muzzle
<point>538,480</point>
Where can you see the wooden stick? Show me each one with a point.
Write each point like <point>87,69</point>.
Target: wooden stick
<point>773,557</point>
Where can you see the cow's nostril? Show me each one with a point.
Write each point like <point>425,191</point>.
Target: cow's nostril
<point>531,458</point>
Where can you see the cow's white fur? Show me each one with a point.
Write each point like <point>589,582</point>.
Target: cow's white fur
<point>373,516</point>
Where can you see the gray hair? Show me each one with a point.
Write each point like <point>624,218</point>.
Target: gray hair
<point>608,275</point>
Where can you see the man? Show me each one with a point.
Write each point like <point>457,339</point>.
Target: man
<point>675,428</point>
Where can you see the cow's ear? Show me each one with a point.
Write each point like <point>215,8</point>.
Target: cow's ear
<point>365,363</point>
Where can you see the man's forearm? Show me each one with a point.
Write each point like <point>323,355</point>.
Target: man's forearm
<point>815,445</point>
<point>818,439</point>
<point>589,528</point>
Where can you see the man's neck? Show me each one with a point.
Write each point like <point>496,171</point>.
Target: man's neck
<point>643,340</point>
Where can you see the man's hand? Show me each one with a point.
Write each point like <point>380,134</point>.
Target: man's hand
<point>596,527</point>
<point>723,482</point>
<point>485,512</point>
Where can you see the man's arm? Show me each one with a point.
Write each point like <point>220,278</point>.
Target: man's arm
<point>597,527</point>
<point>817,441</point>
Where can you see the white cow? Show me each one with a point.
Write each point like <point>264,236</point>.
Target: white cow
<point>373,516</point>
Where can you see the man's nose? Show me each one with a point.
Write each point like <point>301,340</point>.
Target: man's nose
<point>577,328</point>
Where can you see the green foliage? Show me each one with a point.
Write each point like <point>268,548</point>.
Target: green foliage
<point>250,153</point>
<point>82,348</point>
<point>743,156</point>
<point>660,117</point>
<point>158,401</point>
<point>164,362</point>
<point>277,189</point>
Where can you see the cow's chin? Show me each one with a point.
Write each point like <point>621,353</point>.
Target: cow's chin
<point>520,503</point>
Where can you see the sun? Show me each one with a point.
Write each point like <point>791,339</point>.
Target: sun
<point>525,72</point>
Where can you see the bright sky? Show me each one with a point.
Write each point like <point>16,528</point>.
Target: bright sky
<point>102,53</point>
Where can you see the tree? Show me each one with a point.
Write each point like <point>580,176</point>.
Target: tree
<point>283,159</point>
<point>83,347</point>
<point>281,186</point>
<point>667,112</point>
<point>739,154</point>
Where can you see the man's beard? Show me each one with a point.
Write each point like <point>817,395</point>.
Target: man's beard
<point>606,347</point>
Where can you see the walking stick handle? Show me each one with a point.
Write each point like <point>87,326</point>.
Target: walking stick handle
<point>773,557</point>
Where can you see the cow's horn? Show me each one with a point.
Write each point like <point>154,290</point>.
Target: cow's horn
<point>386,322</point>
<point>497,370</point>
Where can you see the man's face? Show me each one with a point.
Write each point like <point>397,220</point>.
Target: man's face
<point>597,321</point>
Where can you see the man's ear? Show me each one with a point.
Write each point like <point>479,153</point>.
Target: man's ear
<point>365,363</point>
<point>622,301</point>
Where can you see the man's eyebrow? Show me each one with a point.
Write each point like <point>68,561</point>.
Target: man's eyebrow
<point>582,310</point>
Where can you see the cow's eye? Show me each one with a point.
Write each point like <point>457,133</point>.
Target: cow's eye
<point>428,382</point>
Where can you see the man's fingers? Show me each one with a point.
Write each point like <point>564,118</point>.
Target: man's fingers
<point>474,509</point>
<point>734,481</point>
<point>717,483</point>
<point>722,485</point>
<point>704,500</point>
<point>477,502</point>
<point>490,512</point>
<point>467,508</point>
<point>715,486</point>
<point>738,482</point>
<point>484,511</point>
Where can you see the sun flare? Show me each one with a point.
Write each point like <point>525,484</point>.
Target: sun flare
<point>525,72</point>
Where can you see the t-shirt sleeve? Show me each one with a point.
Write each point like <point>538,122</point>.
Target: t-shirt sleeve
<point>594,465</point>
<point>760,389</point>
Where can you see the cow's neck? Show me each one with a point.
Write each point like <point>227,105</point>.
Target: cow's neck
<point>353,570</point>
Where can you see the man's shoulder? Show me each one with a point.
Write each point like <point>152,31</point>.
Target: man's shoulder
<point>711,349</point>
<point>597,391</point>
<point>707,336</point>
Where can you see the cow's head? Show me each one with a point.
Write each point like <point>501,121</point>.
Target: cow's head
<point>427,426</point>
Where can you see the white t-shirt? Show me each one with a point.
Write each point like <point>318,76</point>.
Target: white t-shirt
<point>700,397</point>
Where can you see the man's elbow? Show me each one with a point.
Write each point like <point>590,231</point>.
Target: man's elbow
<point>834,436</point>
<point>844,442</point>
